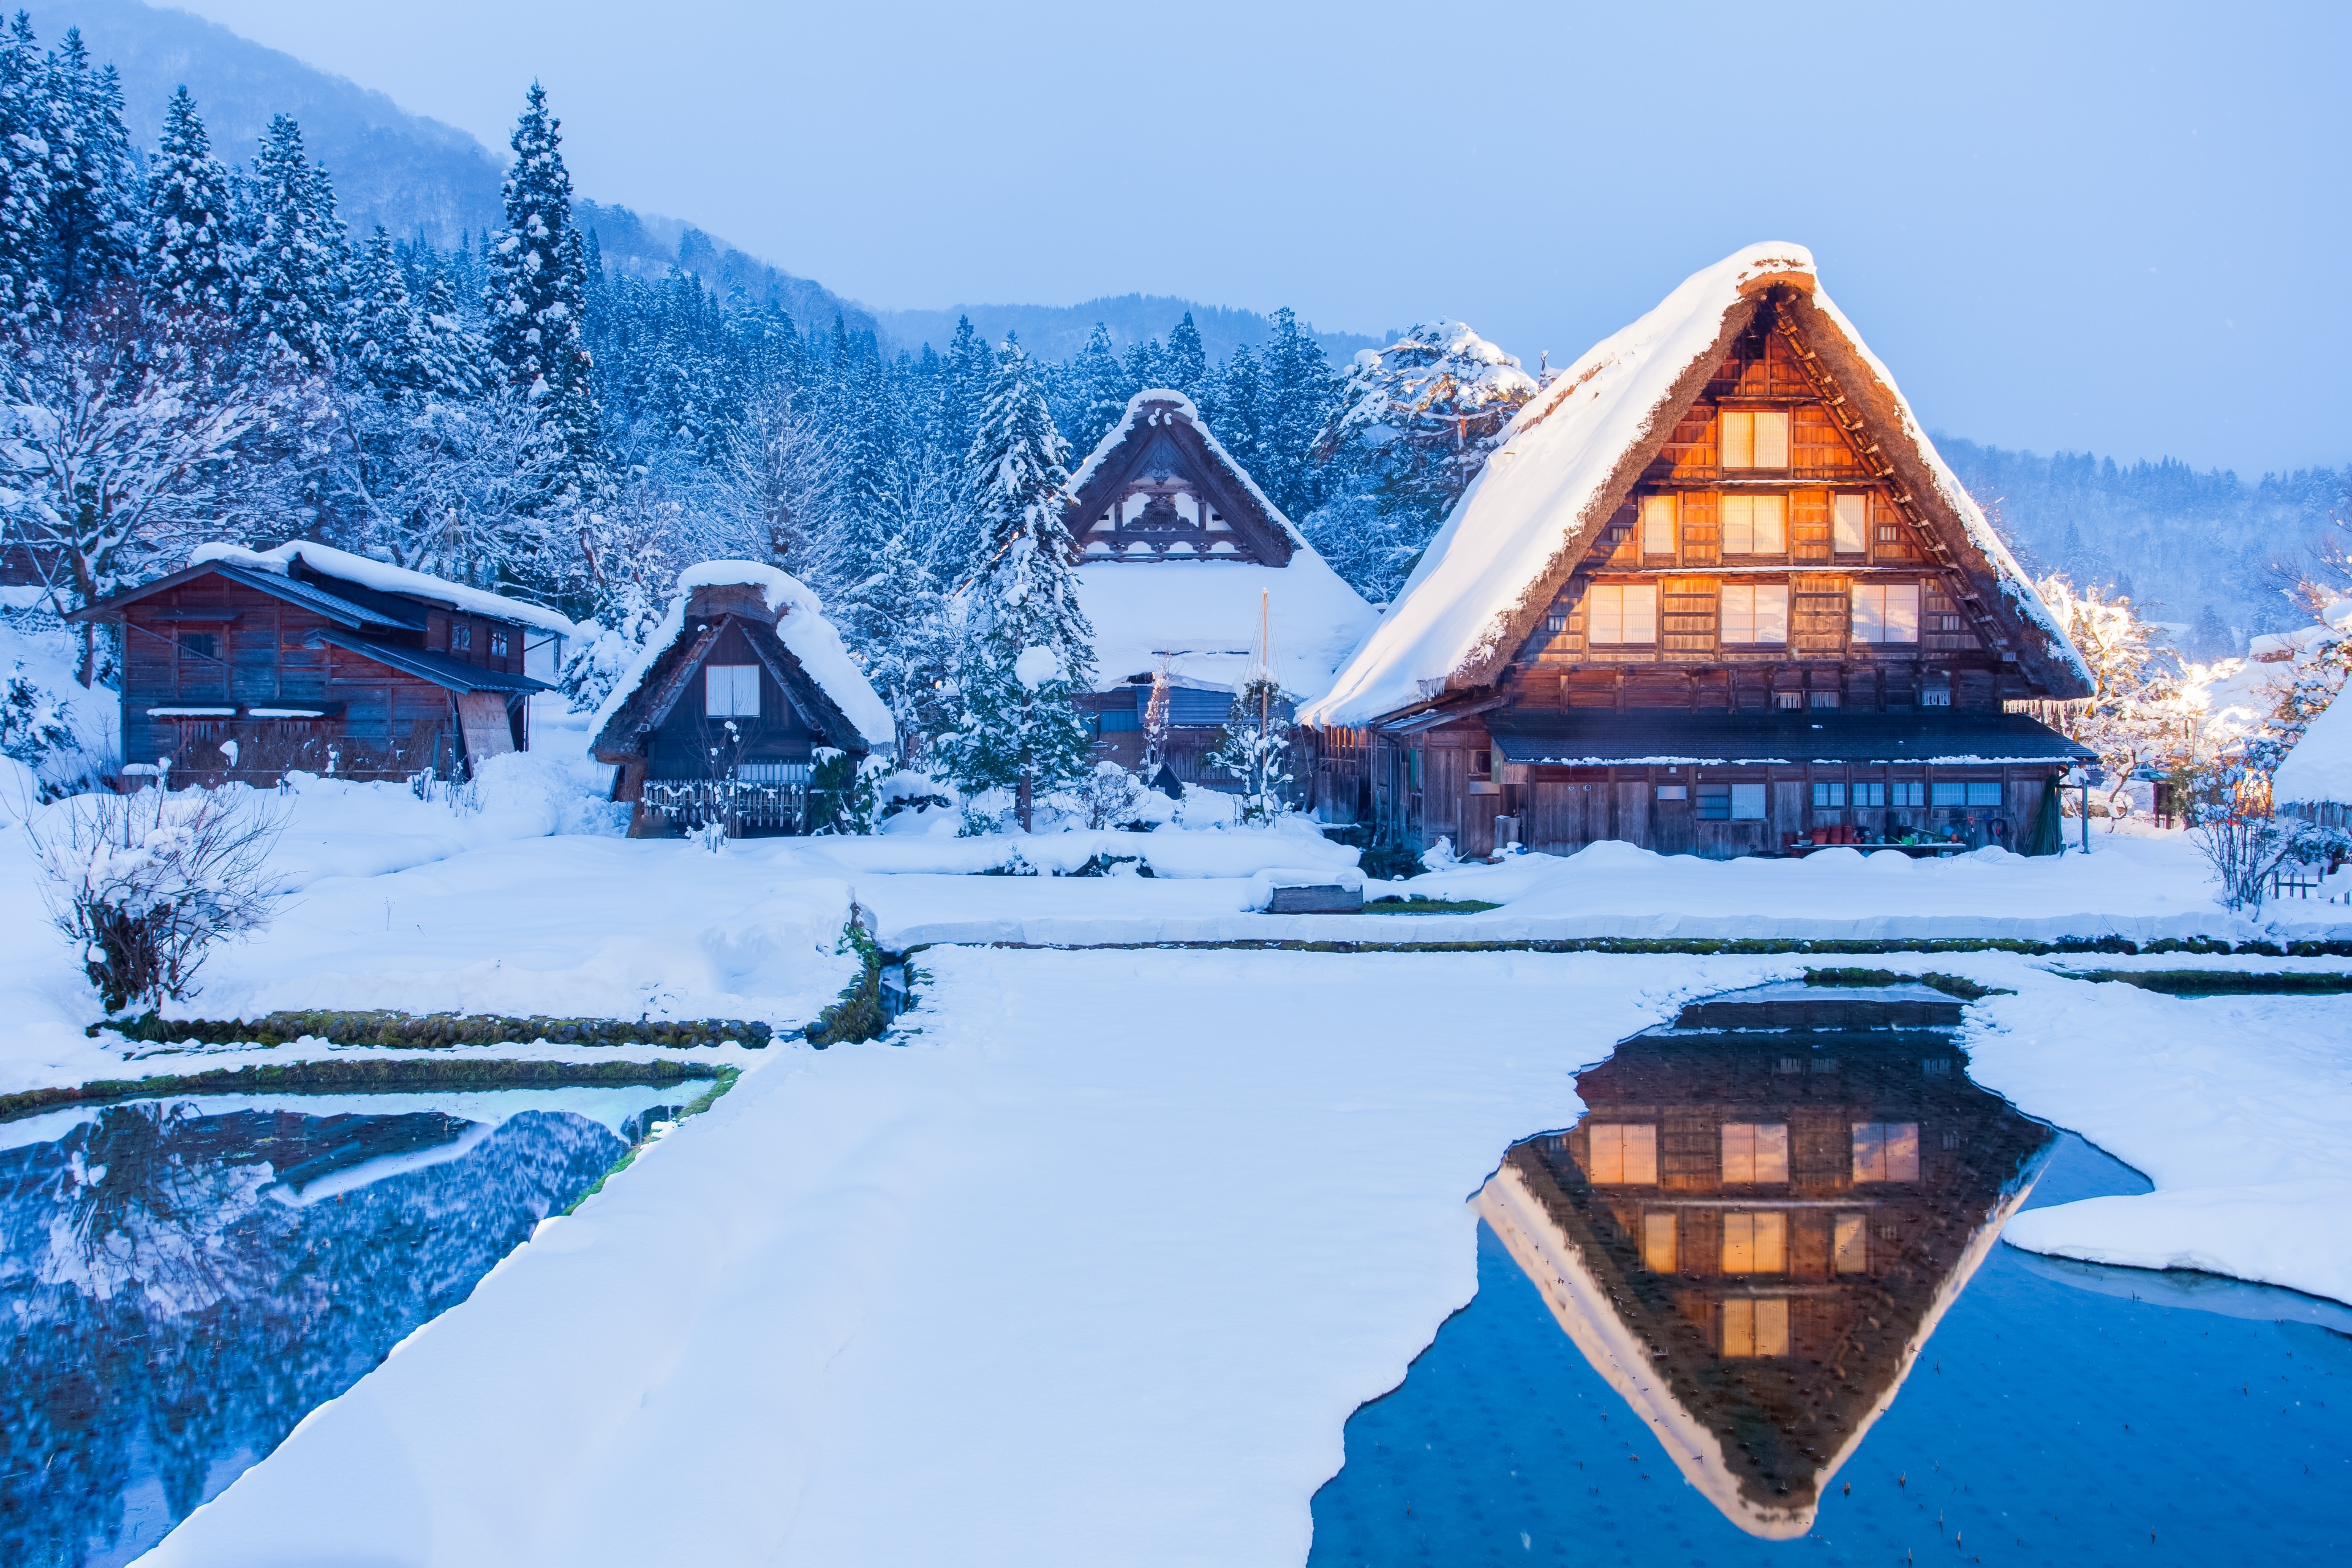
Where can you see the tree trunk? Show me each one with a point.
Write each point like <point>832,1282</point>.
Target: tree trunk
<point>1023,797</point>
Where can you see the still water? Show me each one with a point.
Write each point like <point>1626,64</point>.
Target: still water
<point>1753,1309</point>
<point>183,1280</point>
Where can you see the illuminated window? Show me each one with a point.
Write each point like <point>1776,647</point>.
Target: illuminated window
<point>1753,440</point>
<point>1885,1150</point>
<point>1657,525</point>
<point>1849,1244</point>
<point>1755,1151</point>
<point>1755,1244</point>
<point>1623,1154</point>
<point>1786,699</point>
<point>1756,1328</point>
<point>1886,612</point>
<point>1755,525</point>
<point>1755,613</point>
<point>1623,613</point>
<point>1658,1243</point>
<point>1850,519</point>
<point>731,691</point>
<point>497,645</point>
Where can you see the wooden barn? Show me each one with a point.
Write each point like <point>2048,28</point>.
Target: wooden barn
<point>1177,551</point>
<point>249,663</point>
<point>1715,594</point>
<point>725,714</point>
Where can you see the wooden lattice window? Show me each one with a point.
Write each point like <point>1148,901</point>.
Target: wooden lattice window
<point>1658,525</point>
<point>1754,525</point>
<point>1753,438</point>
<point>1754,614</point>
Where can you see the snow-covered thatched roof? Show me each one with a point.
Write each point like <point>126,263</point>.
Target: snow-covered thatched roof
<point>1572,455</point>
<point>384,578</point>
<point>1198,615</point>
<point>2318,770</point>
<point>800,625</point>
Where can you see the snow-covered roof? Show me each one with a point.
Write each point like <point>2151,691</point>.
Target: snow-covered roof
<point>1569,455</point>
<point>2319,768</point>
<point>384,578</point>
<point>801,626</point>
<point>1201,617</point>
<point>1148,407</point>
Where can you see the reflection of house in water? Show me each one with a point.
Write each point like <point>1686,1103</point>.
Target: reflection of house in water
<point>1751,1235</point>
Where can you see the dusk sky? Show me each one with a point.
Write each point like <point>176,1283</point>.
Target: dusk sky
<point>2113,228</point>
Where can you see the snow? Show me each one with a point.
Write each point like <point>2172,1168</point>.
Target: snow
<point>2239,1108</point>
<point>802,628</point>
<point>384,577</point>
<point>1200,618</point>
<point>1507,536</point>
<point>1090,1279</point>
<point>2319,768</point>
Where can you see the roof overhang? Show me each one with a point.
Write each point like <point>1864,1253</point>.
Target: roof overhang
<point>1605,738</point>
<point>440,668</point>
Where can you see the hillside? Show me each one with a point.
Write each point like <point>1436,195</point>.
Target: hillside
<point>1060,332</point>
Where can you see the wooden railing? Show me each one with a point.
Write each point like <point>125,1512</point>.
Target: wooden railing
<point>739,804</point>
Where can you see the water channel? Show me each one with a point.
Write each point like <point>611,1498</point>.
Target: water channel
<point>184,1280</point>
<point>1753,1308</point>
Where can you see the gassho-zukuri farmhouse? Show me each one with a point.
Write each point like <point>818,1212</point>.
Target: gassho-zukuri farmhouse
<point>1715,591</point>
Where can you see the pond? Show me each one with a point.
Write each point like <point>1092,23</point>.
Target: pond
<point>185,1278</point>
<point>1753,1308</point>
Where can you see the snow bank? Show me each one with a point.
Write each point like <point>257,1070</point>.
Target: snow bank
<point>2239,1110</point>
<point>922,1304</point>
<point>2319,768</point>
<point>384,577</point>
<point>1505,537</point>
<point>802,628</point>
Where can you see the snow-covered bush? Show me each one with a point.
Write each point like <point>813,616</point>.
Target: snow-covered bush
<point>33,727</point>
<point>148,883</point>
<point>910,790</point>
<point>607,647</point>
<point>846,792</point>
<point>1109,798</point>
<point>1254,748</point>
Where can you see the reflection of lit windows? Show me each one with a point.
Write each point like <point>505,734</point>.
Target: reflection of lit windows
<point>1755,1152</point>
<point>1658,1243</point>
<point>1755,1244</point>
<point>1624,1154</point>
<point>1756,1328</point>
<point>1849,1244</point>
<point>1885,1150</point>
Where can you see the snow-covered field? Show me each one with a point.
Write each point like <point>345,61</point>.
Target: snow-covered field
<point>1094,1266</point>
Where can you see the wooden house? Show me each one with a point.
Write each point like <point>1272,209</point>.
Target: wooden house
<point>1178,549</point>
<point>1715,594</point>
<point>732,706</point>
<point>1750,1236</point>
<point>248,663</point>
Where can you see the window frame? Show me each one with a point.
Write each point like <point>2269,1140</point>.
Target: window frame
<point>1624,1138</point>
<point>1753,503</point>
<point>1760,1148</point>
<point>1885,1151</point>
<point>1750,618</point>
<point>1839,500</point>
<point>1617,596</point>
<point>734,674</point>
<point>1875,625</point>
<point>1662,510</point>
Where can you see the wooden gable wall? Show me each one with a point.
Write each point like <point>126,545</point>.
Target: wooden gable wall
<point>1161,497</point>
<point>1749,593</point>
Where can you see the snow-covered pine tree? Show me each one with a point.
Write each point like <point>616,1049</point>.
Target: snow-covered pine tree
<point>1185,363</point>
<point>1145,365</point>
<point>863,508</point>
<point>1255,745</point>
<point>456,355</point>
<point>295,278</point>
<point>1297,377</point>
<point>894,621</point>
<point>27,128</point>
<point>1029,649</point>
<point>385,340</point>
<point>94,192</point>
<point>189,264</point>
<point>1099,391</point>
<point>538,296</point>
<point>1234,405</point>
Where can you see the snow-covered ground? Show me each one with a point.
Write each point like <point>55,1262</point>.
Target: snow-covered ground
<point>1094,1266</point>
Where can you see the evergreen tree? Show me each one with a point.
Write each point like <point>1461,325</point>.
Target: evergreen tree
<point>1185,363</point>
<point>94,194</point>
<point>1298,396</point>
<point>894,621</point>
<point>386,342</point>
<point>1254,746</point>
<point>1030,650</point>
<point>1143,364</point>
<point>25,130</point>
<point>538,287</point>
<point>866,508</point>
<point>188,260</point>
<point>1234,407</point>
<point>293,296</point>
<point>1099,391</point>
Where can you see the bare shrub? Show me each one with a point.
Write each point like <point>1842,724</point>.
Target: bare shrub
<point>148,883</point>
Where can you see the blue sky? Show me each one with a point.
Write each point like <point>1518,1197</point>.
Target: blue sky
<point>2106,227</point>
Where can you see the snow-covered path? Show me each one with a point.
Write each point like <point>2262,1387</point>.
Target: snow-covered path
<point>1092,1271</point>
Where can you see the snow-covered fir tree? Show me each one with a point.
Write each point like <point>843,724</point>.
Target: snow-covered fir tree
<point>26,128</point>
<point>1098,388</point>
<point>295,279</point>
<point>1298,395</point>
<point>385,342</point>
<point>94,192</point>
<point>1254,747</point>
<point>1029,648</point>
<point>189,262</point>
<point>895,622</point>
<point>1185,363</point>
<point>537,291</point>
